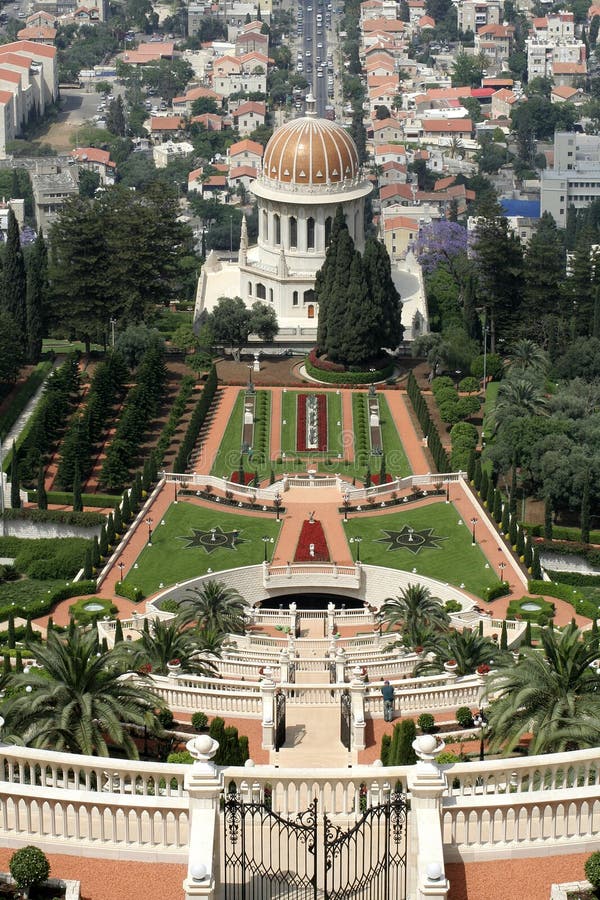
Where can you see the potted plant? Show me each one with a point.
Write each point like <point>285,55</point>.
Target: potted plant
<point>450,665</point>
<point>483,669</point>
<point>174,666</point>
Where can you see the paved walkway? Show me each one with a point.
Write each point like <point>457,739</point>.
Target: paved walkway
<point>27,413</point>
<point>413,444</point>
<point>275,431</point>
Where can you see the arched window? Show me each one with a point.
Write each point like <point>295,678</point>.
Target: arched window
<point>310,233</point>
<point>271,294</point>
<point>277,228</point>
<point>265,225</point>
<point>250,288</point>
<point>308,296</point>
<point>295,298</point>
<point>328,225</point>
<point>261,291</point>
<point>311,311</point>
<point>293,224</point>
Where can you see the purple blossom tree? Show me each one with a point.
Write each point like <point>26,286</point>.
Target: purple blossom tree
<point>444,243</point>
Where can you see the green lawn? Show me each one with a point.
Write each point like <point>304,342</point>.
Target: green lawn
<point>455,561</point>
<point>335,432</point>
<point>28,591</point>
<point>395,457</point>
<point>170,560</point>
<point>227,459</point>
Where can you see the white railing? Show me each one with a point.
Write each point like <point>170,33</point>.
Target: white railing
<point>397,485</point>
<point>199,481</point>
<point>305,573</point>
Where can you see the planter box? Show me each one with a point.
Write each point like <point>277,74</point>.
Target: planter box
<point>572,890</point>
<point>71,888</point>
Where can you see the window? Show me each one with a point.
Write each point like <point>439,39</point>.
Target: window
<point>261,291</point>
<point>250,288</point>
<point>309,296</point>
<point>328,225</point>
<point>277,228</point>
<point>295,298</point>
<point>271,294</point>
<point>311,311</point>
<point>310,233</point>
<point>293,225</point>
<point>265,228</point>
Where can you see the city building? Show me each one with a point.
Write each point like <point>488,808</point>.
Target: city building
<point>50,191</point>
<point>574,179</point>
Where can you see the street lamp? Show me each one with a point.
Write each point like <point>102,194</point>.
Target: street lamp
<point>149,524</point>
<point>346,502</point>
<point>358,541</point>
<point>113,322</point>
<point>265,541</point>
<point>121,566</point>
<point>474,522</point>
<point>277,503</point>
<point>480,721</point>
<point>176,501</point>
<point>502,567</point>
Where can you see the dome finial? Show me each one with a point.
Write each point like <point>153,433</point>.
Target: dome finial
<point>311,105</point>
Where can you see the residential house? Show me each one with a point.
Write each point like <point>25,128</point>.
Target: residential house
<point>245,153</point>
<point>399,233</point>
<point>214,186</point>
<point>397,194</point>
<point>148,54</point>
<point>183,103</point>
<point>210,121</point>
<point>39,18</point>
<point>445,131</point>
<point>167,151</point>
<point>163,128</point>
<point>386,130</point>
<point>385,153</point>
<point>568,74</point>
<point>94,160</point>
<point>496,42</point>
<point>564,93</point>
<point>40,34</point>
<point>242,176</point>
<point>392,173</point>
<point>503,102</point>
<point>252,40</point>
<point>42,67</point>
<point>475,14</point>
<point>7,120</point>
<point>416,9</point>
<point>50,192</point>
<point>249,116</point>
<point>18,208</point>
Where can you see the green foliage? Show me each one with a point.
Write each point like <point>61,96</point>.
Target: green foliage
<point>401,752</point>
<point>499,590</point>
<point>426,723</point>
<point>386,743</point>
<point>29,866</point>
<point>349,377</point>
<point>592,869</point>
<point>196,421</point>
<point>130,591</point>
<point>464,717</point>
<point>21,397</point>
<point>542,616</point>
<point>199,721</point>
<point>84,616</point>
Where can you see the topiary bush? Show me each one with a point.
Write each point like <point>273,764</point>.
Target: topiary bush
<point>592,869</point>
<point>464,717</point>
<point>199,721</point>
<point>426,723</point>
<point>29,866</point>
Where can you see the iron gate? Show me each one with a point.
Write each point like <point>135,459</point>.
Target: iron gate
<point>308,857</point>
<point>346,719</point>
<point>279,719</point>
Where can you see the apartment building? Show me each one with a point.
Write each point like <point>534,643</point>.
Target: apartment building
<point>475,14</point>
<point>574,179</point>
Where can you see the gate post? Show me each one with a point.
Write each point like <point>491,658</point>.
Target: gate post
<point>427,785</point>
<point>358,689</point>
<point>284,667</point>
<point>204,785</point>
<point>267,695</point>
<point>340,665</point>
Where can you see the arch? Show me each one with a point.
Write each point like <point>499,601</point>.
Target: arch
<point>295,298</point>
<point>310,312</point>
<point>277,229</point>
<point>293,231</point>
<point>308,296</point>
<point>310,233</point>
<point>271,294</point>
<point>265,225</point>
<point>328,227</point>
<point>261,291</point>
<point>250,288</point>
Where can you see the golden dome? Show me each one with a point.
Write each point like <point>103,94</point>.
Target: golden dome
<point>310,151</point>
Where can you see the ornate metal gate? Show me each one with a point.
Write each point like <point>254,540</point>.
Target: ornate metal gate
<point>268,857</point>
<point>346,719</point>
<point>279,719</point>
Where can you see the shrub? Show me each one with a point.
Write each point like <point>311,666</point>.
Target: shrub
<point>349,377</point>
<point>166,718</point>
<point>452,606</point>
<point>592,869</point>
<point>181,757</point>
<point>130,591</point>
<point>199,721</point>
<point>401,752</point>
<point>47,558</point>
<point>498,590</point>
<point>464,717</point>
<point>85,616</point>
<point>426,723</point>
<point>539,616</point>
<point>170,605</point>
<point>29,866</point>
<point>442,381</point>
<point>469,385</point>
<point>446,757</point>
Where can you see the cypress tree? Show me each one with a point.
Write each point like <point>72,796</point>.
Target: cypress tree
<point>6,665</point>
<point>104,646</point>
<point>77,500</point>
<point>536,569</point>
<point>394,745</point>
<point>585,510</point>
<point>125,509</point>
<point>15,485</point>
<point>386,742</point>
<point>134,498</point>
<point>153,467</point>
<point>481,628</point>
<point>406,753</point>
<point>87,565</point>
<point>477,474</point>
<point>139,486</point>
<point>37,283</point>
<point>513,531</point>
<point>49,626</point>
<point>118,632</point>
<point>503,636</point>
<point>146,626</point>
<point>497,507</point>
<point>528,553</point>
<point>95,552</point>
<point>71,631</point>
<point>42,496</point>
<point>28,630</point>
<point>117,520</point>
<point>594,633</point>
<point>527,636</point>
<point>386,323</point>
<point>368,478</point>
<point>505,518</point>
<point>513,490</point>
<point>471,463</point>
<point>490,496</point>
<point>548,518</point>
<point>103,543</point>
<point>110,530</point>
<point>146,479</point>
<point>11,632</point>
<point>382,470</point>
<point>241,473</point>
<point>14,281</point>
<point>18,662</point>
<point>520,541</point>
<point>485,484</point>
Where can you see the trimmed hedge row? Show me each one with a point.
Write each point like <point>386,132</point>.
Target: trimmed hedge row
<point>502,589</point>
<point>186,390</point>
<point>196,421</point>
<point>260,447</point>
<point>590,554</point>
<point>24,395</point>
<point>349,378</point>
<point>45,604</point>
<point>65,498</point>
<point>577,579</point>
<point>59,516</point>
<point>577,600</point>
<point>129,591</point>
<point>360,420</point>
<point>562,533</point>
<point>440,457</point>
<point>85,616</point>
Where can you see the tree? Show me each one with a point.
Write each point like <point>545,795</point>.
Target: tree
<point>214,607</point>
<point>37,291</point>
<point>77,499</point>
<point>89,182</point>
<point>42,497</point>
<point>115,117</point>
<point>81,702</point>
<point>386,299</point>
<point>467,647</point>
<point>517,397</point>
<point>551,695</point>
<point>166,641</point>
<point>15,481</point>
<point>466,71</point>
<point>528,358</point>
<point>29,867</point>
<point>585,511</point>
<point>230,323</point>
<point>401,752</point>
<point>416,613</point>
<point>499,263</point>
<point>14,279</point>
<point>12,356</point>
<point>263,321</point>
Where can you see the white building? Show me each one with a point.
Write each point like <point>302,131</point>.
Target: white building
<point>310,167</point>
<point>574,179</point>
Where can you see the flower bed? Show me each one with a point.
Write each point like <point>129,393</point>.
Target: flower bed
<point>312,534</point>
<point>375,478</point>
<point>248,477</point>
<point>311,419</point>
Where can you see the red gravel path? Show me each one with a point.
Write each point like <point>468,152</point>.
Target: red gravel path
<point>513,879</point>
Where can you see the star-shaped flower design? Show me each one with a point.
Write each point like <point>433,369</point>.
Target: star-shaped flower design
<point>213,539</point>
<point>411,539</point>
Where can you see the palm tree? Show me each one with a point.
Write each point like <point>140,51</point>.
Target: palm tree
<point>466,647</point>
<point>527,355</point>
<point>78,701</point>
<point>416,613</point>
<point>166,641</point>
<point>214,606</point>
<point>518,397</point>
<point>553,694</point>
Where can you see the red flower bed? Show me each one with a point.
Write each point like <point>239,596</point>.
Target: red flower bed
<point>312,533</point>
<point>301,423</point>
<point>324,364</point>
<point>375,479</point>
<point>235,477</point>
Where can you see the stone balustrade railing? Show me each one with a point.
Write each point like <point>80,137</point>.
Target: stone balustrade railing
<point>321,574</point>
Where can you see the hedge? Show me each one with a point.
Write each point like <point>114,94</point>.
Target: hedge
<point>129,591</point>
<point>45,604</point>
<point>440,457</point>
<point>65,498</point>
<point>59,516</point>
<point>47,558</point>
<point>348,377</point>
<point>197,420</point>
<point>186,389</point>
<point>85,616</point>
<point>23,396</point>
<point>577,579</point>
<point>537,616</point>
<point>590,554</point>
<point>498,590</point>
<point>562,533</point>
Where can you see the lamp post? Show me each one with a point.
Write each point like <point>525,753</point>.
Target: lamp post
<point>121,566</point>
<point>149,524</point>
<point>113,322</point>
<point>277,503</point>
<point>474,522</point>
<point>176,500</point>
<point>480,721</point>
<point>346,502</point>
<point>358,542</point>
<point>502,567</point>
<point>265,541</point>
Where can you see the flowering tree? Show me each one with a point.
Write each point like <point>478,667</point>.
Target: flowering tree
<point>444,243</point>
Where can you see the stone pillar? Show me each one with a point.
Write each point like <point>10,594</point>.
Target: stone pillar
<point>284,667</point>
<point>267,694</point>
<point>293,615</point>
<point>330,619</point>
<point>358,690</point>
<point>340,665</point>
<point>204,785</point>
<point>427,785</point>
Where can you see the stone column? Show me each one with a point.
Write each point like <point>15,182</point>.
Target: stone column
<point>330,619</point>
<point>427,785</point>
<point>204,784</point>
<point>267,694</point>
<point>340,665</point>
<point>358,690</point>
<point>284,667</point>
